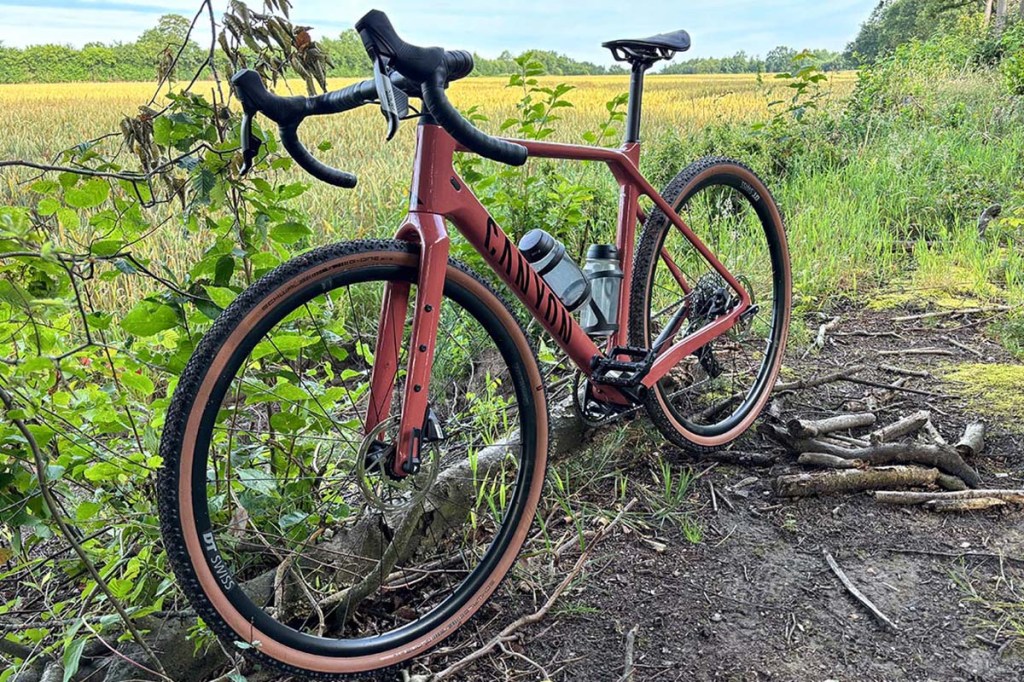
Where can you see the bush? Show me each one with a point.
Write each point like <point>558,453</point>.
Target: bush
<point>1010,52</point>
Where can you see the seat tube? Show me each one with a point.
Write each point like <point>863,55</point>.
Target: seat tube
<point>636,101</point>
<point>429,230</point>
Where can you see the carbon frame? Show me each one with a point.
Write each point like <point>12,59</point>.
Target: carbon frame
<point>439,194</point>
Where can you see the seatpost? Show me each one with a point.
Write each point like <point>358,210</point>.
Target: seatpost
<point>636,97</point>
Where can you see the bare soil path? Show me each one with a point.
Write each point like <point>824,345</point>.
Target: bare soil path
<point>755,599</point>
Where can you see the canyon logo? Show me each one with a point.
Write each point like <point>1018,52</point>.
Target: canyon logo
<point>533,290</point>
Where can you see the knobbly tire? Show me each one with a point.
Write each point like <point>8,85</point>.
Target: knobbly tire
<point>730,210</point>
<point>215,593</point>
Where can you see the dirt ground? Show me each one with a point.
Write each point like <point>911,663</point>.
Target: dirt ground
<point>754,599</point>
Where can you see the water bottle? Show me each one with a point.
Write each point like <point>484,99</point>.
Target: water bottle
<point>603,271</point>
<point>548,257</point>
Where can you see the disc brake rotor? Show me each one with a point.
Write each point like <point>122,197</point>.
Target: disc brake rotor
<point>384,492</point>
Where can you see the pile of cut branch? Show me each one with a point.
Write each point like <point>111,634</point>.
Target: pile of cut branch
<point>887,460</point>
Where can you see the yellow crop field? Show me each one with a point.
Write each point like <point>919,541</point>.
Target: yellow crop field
<point>43,119</point>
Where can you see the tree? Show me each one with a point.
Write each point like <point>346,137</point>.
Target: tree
<point>157,46</point>
<point>894,22</point>
<point>779,59</point>
<point>347,54</point>
<point>1000,15</point>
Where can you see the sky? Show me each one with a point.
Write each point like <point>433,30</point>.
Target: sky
<point>717,27</point>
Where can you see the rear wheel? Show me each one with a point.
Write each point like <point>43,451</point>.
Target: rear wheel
<point>279,516</point>
<point>713,396</point>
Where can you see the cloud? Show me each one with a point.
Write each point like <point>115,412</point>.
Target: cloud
<point>485,26</point>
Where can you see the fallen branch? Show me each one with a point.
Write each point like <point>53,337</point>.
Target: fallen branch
<point>903,497</point>
<point>917,351</point>
<point>963,346</point>
<point>853,480</point>
<point>820,459</point>
<point>946,459</point>
<point>515,625</point>
<point>973,440</point>
<point>843,439</point>
<point>751,459</point>
<point>921,374</point>
<point>897,387</point>
<point>819,381</point>
<point>950,313</point>
<point>802,428</point>
<point>956,555</point>
<point>950,482</point>
<point>819,340</point>
<point>852,589</point>
<point>629,668</point>
<point>903,427</point>
<point>972,504</point>
<point>933,433</point>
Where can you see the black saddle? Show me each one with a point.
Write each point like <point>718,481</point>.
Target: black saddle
<point>649,50</point>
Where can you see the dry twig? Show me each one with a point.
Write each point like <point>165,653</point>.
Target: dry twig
<point>512,627</point>
<point>950,313</point>
<point>852,589</point>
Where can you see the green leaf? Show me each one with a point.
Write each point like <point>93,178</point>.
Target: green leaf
<point>287,422</point>
<point>47,206</point>
<point>86,510</point>
<point>223,270</point>
<point>72,657</point>
<point>257,480</point>
<point>292,518</point>
<point>162,130</point>
<point>203,182</point>
<point>289,233</point>
<point>68,219</point>
<point>103,471</point>
<point>105,248</point>
<point>44,186</point>
<point>139,383</point>
<point>221,296</point>
<point>148,318</point>
<point>91,194</point>
<point>282,344</point>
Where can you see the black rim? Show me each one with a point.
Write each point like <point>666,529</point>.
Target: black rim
<point>499,545</point>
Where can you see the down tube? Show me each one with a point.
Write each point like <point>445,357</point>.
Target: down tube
<point>477,225</point>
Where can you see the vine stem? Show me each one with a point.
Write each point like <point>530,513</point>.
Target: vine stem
<point>69,536</point>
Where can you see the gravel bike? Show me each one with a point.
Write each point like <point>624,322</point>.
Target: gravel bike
<point>354,455</point>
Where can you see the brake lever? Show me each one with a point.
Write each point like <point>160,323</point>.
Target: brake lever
<point>250,144</point>
<point>394,105</point>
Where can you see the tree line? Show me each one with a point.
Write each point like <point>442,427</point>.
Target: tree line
<point>777,60</point>
<point>157,47</point>
<point>891,23</point>
<point>148,56</point>
<point>895,22</point>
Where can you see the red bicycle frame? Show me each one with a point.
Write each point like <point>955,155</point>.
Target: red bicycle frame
<point>439,195</point>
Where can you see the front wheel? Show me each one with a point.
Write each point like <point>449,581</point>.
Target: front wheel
<point>280,517</point>
<point>713,396</point>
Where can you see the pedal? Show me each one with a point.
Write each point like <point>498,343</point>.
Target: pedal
<point>611,371</point>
